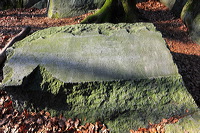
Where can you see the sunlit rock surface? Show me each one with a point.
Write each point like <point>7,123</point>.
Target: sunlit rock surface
<point>122,75</point>
<point>82,53</point>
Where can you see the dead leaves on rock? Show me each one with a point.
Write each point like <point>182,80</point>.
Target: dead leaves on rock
<point>12,120</point>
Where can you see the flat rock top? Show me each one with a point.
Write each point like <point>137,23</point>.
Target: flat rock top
<point>94,52</point>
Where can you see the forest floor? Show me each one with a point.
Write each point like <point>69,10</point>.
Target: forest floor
<point>186,53</point>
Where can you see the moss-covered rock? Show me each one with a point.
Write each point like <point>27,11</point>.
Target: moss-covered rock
<point>70,8</point>
<point>122,104</point>
<point>10,4</point>
<point>191,17</point>
<point>121,74</point>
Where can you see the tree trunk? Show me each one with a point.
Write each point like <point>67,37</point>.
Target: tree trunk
<point>114,11</point>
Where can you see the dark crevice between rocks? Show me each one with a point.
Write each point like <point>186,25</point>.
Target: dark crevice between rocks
<point>191,76</point>
<point>35,92</point>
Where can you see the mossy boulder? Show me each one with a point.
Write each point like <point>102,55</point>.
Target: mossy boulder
<point>122,104</point>
<point>120,74</point>
<point>191,17</point>
<point>70,8</point>
<point>10,4</point>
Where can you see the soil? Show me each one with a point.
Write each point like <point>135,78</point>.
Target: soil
<point>186,54</point>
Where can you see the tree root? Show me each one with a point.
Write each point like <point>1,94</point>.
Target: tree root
<point>16,38</point>
<point>114,11</point>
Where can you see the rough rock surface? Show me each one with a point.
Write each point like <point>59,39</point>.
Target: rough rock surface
<point>9,4</point>
<point>70,8</point>
<point>83,53</point>
<point>122,105</point>
<point>191,17</point>
<point>34,65</point>
<point>168,3</point>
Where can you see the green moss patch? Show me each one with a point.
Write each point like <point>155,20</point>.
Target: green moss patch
<point>122,105</point>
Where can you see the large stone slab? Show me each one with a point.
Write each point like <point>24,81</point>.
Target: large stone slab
<point>82,53</point>
<point>121,74</point>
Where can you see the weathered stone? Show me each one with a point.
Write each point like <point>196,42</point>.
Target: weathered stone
<point>191,17</point>
<point>131,74</point>
<point>70,8</point>
<point>40,5</point>
<point>122,105</point>
<point>9,4</point>
<point>103,52</point>
<point>168,3</point>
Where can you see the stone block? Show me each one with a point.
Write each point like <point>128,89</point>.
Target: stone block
<point>120,74</point>
<point>70,8</point>
<point>83,53</point>
<point>122,105</point>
